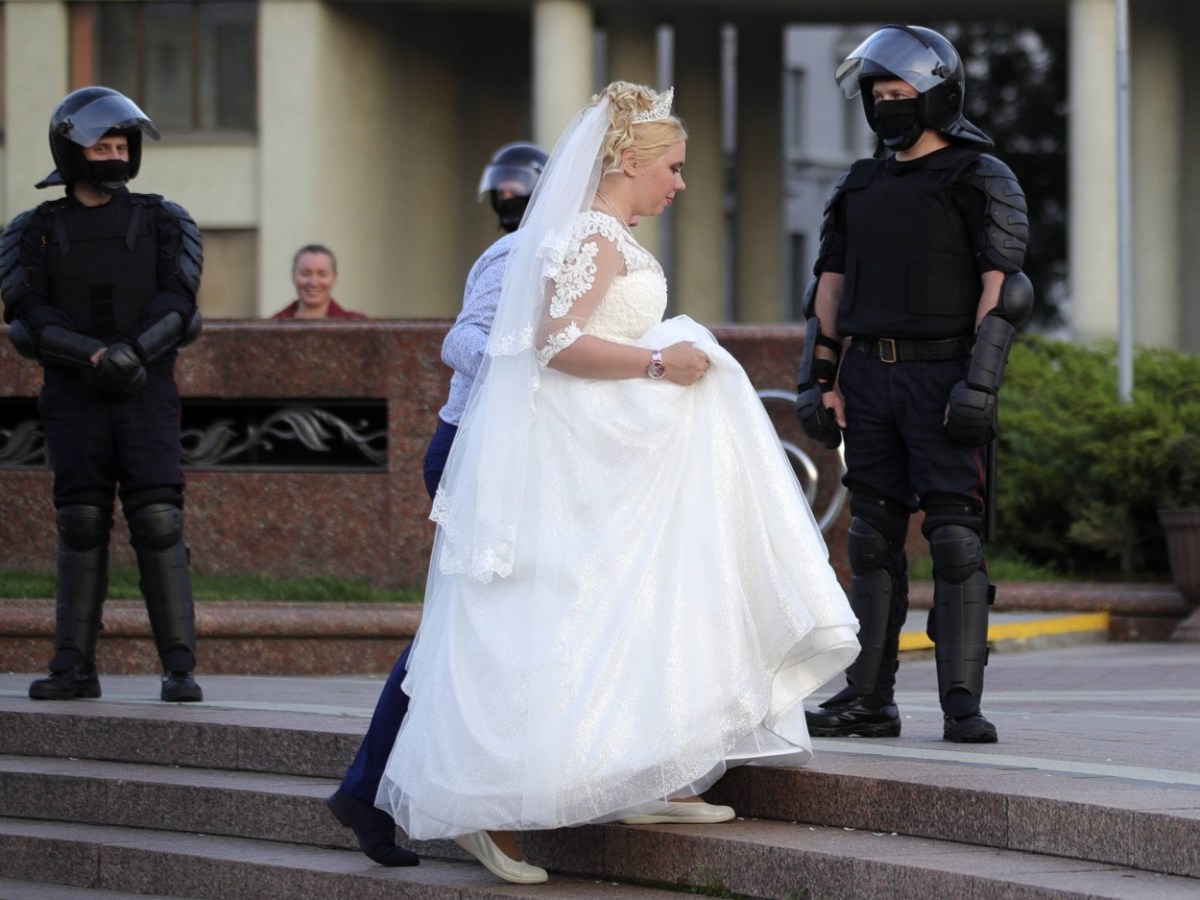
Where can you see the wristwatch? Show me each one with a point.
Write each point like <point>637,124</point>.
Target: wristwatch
<point>656,369</point>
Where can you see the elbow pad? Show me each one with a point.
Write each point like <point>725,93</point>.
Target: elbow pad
<point>20,337</point>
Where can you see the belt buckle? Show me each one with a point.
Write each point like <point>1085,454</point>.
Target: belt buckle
<point>887,350</point>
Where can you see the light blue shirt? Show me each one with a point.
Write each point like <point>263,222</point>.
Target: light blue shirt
<point>464,346</point>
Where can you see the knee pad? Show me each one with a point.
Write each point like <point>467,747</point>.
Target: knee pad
<point>158,526</point>
<point>83,528</point>
<point>950,509</point>
<point>878,529</point>
<point>866,546</point>
<point>957,553</point>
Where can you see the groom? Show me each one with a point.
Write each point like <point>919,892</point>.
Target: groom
<point>508,180</point>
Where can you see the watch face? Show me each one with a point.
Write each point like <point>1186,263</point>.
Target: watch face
<point>656,369</point>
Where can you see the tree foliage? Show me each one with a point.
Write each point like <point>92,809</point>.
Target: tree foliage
<point>1081,474</point>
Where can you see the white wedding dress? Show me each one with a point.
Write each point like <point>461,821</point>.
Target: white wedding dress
<point>670,603</point>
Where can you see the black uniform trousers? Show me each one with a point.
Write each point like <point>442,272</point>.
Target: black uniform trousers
<point>96,441</point>
<point>897,449</point>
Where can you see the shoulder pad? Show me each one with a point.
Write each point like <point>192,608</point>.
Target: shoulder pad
<point>144,199</point>
<point>1005,211</point>
<point>12,278</point>
<point>191,258</point>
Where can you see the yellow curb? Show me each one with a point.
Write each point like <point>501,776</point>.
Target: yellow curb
<point>1089,622</point>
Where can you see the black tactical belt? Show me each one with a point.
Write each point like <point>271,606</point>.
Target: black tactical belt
<point>892,350</point>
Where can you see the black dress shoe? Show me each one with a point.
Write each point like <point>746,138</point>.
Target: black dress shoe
<point>80,682</point>
<point>375,830</point>
<point>972,729</point>
<point>180,687</point>
<point>854,719</point>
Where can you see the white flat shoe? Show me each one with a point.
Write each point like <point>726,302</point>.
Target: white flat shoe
<point>682,813</point>
<point>480,845</point>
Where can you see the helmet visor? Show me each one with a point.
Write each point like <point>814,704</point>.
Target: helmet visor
<point>517,180</point>
<point>89,123</point>
<point>900,52</point>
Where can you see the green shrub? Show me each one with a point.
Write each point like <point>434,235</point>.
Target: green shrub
<point>1081,473</point>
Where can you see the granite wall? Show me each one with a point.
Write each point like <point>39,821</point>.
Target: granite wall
<point>304,444</point>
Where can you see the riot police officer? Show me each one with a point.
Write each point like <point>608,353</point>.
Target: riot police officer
<point>507,181</point>
<point>99,286</point>
<point>919,269</point>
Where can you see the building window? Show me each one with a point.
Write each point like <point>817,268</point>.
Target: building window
<point>190,65</point>
<point>799,267</point>
<point>794,112</point>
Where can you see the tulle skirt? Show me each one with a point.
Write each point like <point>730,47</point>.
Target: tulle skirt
<point>670,607</point>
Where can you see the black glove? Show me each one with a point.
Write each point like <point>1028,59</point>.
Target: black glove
<point>120,371</point>
<point>816,418</point>
<point>971,417</point>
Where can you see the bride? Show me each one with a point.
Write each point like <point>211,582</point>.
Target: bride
<point>628,591</point>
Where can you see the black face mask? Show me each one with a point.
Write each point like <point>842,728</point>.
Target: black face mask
<point>897,124</point>
<point>510,210</point>
<point>108,175</point>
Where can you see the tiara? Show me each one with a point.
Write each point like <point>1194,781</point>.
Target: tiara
<point>661,109</point>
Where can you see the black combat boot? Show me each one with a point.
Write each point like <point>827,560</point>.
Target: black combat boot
<point>82,585</point>
<point>156,532</point>
<point>79,682</point>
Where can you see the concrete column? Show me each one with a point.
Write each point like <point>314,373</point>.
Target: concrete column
<point>562,65</point>
<point>290,70</point>
<point>1156,113</point>
<point>1092,233</point>
<point>36,48</point>
<point>1189,234</point>
<point>700,264</point>
<point>759,256</point>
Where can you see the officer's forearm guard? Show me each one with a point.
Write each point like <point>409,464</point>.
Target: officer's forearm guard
<point>815,378</point>
<point>64,347</point>
<point>166,334</point>
<point>971,419</point>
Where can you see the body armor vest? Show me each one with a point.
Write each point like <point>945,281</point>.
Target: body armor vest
<point>101,262</point>
<point>909,268</point>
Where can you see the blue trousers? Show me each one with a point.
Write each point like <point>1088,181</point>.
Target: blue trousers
<point>362,778</point>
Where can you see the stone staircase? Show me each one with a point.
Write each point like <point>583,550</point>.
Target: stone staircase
<point>117,799</point>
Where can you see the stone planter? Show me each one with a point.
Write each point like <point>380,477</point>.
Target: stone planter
<point>1182,530</point>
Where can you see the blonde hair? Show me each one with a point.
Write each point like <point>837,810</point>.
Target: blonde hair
<point>648,140</point>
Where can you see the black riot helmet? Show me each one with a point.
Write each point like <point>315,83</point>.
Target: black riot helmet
<point>927,61</point>
<point>508,179</point>
<point>81,119</point>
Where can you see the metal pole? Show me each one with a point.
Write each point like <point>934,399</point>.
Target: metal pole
<point>1124,213</point>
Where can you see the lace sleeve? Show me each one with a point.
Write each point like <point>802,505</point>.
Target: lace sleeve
<point>576,279</point>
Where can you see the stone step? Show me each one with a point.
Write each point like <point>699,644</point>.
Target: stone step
<point>1093,790</point>
<point>1149,826</point>
<point>746,858</point>
<point>212,867</point>
<point>12,889</point>
<point>265,806</point>
<point>111,759</point>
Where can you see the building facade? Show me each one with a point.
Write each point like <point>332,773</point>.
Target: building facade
<point>364,124</point>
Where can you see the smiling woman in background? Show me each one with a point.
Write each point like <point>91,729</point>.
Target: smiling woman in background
<point>314,272</point>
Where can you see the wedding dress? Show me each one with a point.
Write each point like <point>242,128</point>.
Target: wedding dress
<point>668,607</point>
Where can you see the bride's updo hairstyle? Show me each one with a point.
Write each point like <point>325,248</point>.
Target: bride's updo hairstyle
<point>649,140</point>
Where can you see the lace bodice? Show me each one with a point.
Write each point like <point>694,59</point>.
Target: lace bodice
<point>636,297</point>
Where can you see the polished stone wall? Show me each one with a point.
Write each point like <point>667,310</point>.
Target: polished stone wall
<point>301,500</point>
